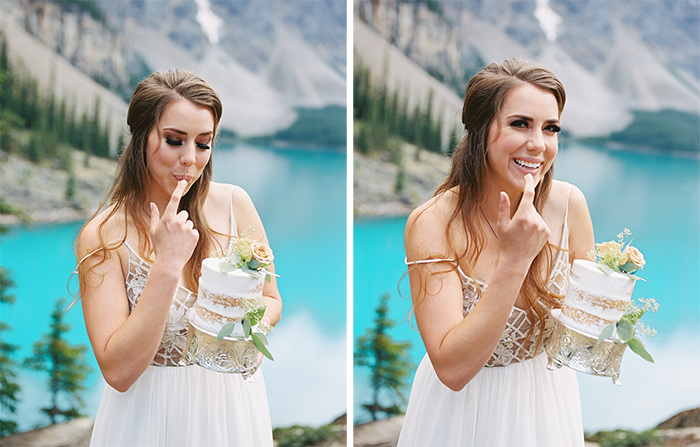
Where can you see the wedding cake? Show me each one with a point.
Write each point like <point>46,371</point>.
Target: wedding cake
<point>226,297</point>
<point>595,299</point>
<point>226,329</point>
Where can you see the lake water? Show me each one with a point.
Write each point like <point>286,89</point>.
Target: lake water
<point>300,195</point>
<point>658,198</point>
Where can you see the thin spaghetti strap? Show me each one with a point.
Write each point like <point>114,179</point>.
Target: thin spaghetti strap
<point>568,195</point>
<point>426,261</point>
<point>233,231</point>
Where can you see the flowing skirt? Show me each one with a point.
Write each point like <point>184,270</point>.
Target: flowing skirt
<point>185,406</point>
<point>523,404</point>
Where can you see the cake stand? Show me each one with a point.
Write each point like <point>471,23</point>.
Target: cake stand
<point>228,355</point>
<point>582,352</point>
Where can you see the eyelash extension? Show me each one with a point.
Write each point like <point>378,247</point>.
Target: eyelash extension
<point>172,142</point>
<point>554,128</point>
<point>203,146</point>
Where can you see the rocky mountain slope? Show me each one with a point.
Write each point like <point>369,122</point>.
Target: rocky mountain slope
<point>613,57</point>
<point>265,59</point>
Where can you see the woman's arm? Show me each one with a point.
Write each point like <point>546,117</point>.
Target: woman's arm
<point>459,347</point>
<point>125,344</point>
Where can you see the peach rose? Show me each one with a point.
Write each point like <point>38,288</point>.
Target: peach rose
<point>262,253</point>
<point>631,259</point>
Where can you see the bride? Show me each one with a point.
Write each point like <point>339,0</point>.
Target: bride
<point>488,258</point>
<point>140,263</point>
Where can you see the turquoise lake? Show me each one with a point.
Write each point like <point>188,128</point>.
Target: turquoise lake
<point>300,195</point>
<point>658,198</point>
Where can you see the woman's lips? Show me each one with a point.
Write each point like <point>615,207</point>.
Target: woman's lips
<point>187,178</point>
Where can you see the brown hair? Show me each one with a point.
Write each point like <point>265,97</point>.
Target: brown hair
<point>483,100</point>
<point>128,193</point>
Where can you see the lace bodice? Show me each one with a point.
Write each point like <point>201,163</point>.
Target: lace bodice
<point>514,345</point>
<point>172,345</point>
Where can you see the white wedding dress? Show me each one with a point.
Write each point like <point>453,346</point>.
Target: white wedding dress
<point>173,405</point>
<point>514,401</point>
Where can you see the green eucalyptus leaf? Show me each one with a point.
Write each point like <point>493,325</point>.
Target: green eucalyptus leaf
<point>246,326</point>
<point>225,331</point>
<point>260,335</point>
<point>260,345</point>
<point>638,348</point>
<point>607,270</point>
<point>226,267</point>
<point>268,278</point>
<point>625,330</point>
<point>606,333</point>
<point>629,268</point>
<point>254,264</point>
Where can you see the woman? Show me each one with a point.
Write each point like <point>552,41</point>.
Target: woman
<point>139,270</point>
<point>488,258</point>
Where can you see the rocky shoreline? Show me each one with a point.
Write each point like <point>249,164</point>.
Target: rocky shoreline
<point>38,190</point>
<point>375,178</point>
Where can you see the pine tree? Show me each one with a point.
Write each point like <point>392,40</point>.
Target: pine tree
<point>388,361</point>
<point>9,387</point>
<point>66,365</point>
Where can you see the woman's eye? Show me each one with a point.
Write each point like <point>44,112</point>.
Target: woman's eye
<point>173,142</point>
<point>203,146</point>
<point>553,128</point>
<point>519,124</point>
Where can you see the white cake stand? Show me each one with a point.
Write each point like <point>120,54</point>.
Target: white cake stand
<point>582,352</point>
<point>228,355</point>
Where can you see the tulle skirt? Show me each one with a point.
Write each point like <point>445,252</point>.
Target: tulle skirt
<point>185,406</point>
<point>523,404</point>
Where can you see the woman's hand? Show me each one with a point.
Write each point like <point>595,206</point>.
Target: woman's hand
<point>524,235</point>
<point>174,236</point>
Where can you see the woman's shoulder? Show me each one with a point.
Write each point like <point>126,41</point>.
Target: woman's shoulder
<point>105,227</point>
<point>427,224</point>
<point>564,194</point>
<point>437,209</point>
<point>224,194</point>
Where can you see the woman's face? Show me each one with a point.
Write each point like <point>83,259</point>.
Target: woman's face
<point>523,138</point>
<point>179,147</point>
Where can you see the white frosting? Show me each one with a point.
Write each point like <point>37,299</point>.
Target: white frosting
<point>221,295</point>
<point>594,298</point>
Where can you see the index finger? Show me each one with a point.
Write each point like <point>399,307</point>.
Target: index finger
<point>174,202</point>
<point>528,192</point>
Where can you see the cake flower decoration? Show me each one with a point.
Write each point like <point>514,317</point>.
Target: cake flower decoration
<point>251,256</point>
<point>614,256</point>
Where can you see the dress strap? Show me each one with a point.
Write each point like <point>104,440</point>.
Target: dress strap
<point>426,261</point>
<point>566,213</point>
<point>233,231</point>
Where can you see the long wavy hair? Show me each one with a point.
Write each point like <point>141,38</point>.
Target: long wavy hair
<point>483,101</point>
<point>128,193</point>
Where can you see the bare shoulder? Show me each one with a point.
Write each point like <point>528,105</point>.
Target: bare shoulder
<point>425,234</point>
<point>581,238</point>
<point>101,230</point>
<point>219,195</point>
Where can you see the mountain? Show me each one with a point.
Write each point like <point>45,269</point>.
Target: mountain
<point>265,59</point>
<point>614,57</point>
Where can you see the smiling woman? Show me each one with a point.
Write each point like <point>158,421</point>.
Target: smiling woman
<point>140,260</point>
<point>482,291</point>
